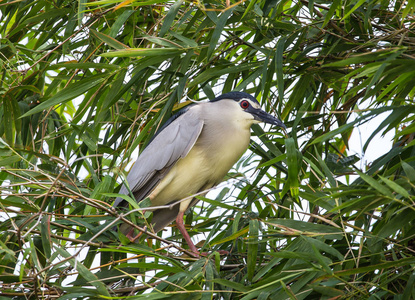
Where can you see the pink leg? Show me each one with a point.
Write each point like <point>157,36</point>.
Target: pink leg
<point>183,231</point>
<point>131,237</point>
<point>130,233</point>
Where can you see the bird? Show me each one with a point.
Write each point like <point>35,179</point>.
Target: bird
<point>191,153</point>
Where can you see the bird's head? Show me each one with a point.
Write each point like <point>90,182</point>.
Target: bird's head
<point>246,107</point>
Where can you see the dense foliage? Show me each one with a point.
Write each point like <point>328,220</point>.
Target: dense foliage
<point>84,86</point>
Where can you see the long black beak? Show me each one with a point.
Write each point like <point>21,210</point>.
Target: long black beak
<point>265,117</point>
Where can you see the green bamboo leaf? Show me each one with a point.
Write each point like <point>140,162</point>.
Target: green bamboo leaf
<point>47,16</point>
<point>285,26</point>
<point>71,293</point>
<point>362,58</point>
<point>297,95</point>
<point>305,227</point>
<point>389,122</point>
<point>318,244</point>
<point>232,237</point>
<point>379,72</point>
<point>105,185</point>
<point>70,92</point>
<point>307,257</point>
<point>138,52</point>
<point>331,292</point>
<point>148,265</point>
<point>355,6</point>
<point>120,22</point>
<point>321,260</point>
<point>375,184</point>
<point>249,8</point>
<point>170,17</point>
<point>252,248</point>
<point>219,70</point>
<point>27,88</point>
<point>395,187</point>
<point>217,203</point>
<point>87,65</point>
<point>134,204</point>
<point>217,32</point>
<point>407,130</point>
<point>317,169</point>
<point>16,201</point>
<point>354,203</point>
<point>326,170</point>
<point>264,296</point>
<point>361,120</point>
<point>398,222</point>
<point>279,58</point>
<point>363,270</point>
<point>293,167</point>
<point>34,250</point>
<point>146,251</point>
<point>333,6</point>
<point>85,273</point>
<point>332,133</point>
<point>162,42</point>
<point>273,283</point>
<point>410,7</point>
<point>267,70</point>
<point>390,85</point>
<point>410,286</point>
<point>232,284</point>
<point>108,40</point>
<point>81,11</point>
<point>8,120</point>
<point>409,171</point>
<point>273,161</point>
<point>209,275</point>
<point>189,43</point>
<point>45,236</point>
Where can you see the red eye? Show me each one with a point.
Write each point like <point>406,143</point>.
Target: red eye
<point>244,104</point>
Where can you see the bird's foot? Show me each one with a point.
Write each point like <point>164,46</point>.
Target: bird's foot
<point>131,237</point>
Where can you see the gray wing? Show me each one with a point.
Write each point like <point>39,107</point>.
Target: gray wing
<point>171,144</point>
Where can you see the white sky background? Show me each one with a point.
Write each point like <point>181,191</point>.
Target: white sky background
<point>379,146</point>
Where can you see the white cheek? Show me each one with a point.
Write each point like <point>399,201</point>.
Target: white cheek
<point>244,120</point>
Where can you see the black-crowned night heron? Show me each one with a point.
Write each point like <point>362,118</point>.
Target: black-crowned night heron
<point>192,152</point>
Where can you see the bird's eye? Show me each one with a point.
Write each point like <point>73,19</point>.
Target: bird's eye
<point>244,104</point>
